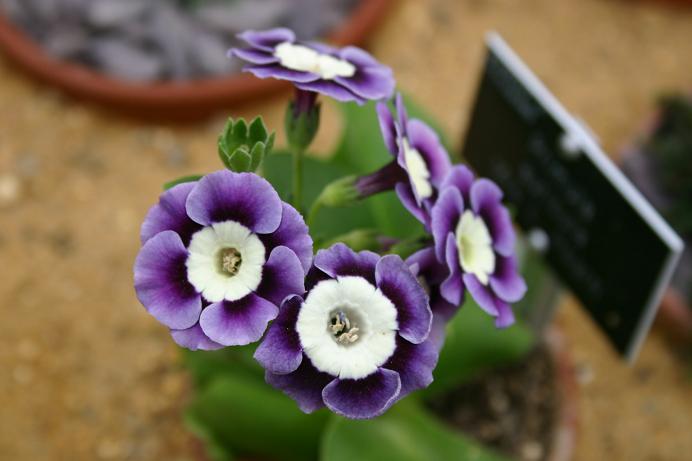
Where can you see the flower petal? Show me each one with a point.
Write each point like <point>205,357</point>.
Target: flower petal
<point>314,277</point>
<point>414,363</point>
<point>506,282</point>
<point>402,115</point>
<point>427,143</point>
<point>305,385</point>
<point>360,57</point>
<point>281,73</point>
<point>170,214</point>
<point>363,398</point>
<point>280,351</point>
<point>429,267</point>
<point>406,197</point>
<point>236,323</point>
<point>193,338</point>
<point>461,178</point>
<point>501,230</point>
<point>282,275</point>
<point>438,332</point>
<point>253,56</point>
<point>370,83</point>
<point>340,260</point>
<point>332,89</point>
<point>396,282</point>
<point>482,294</point>
<point>484,194</point>
<point>161,282</point>
<point>242,197</point>
<point>384,116</point>
<point>292,233</point>
<point>452,289</point>
<point>445,216</point>
<point>505,316</point>
<point>267,39</point>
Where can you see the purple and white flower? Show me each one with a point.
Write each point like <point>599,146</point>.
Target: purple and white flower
<point>358,341</point>
<point>346,74</point>
<point>431,273</point>
<point>218,256</point>
<point>474,236</point>
<point>421,162</point>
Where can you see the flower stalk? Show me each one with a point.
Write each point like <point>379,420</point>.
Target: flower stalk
<point>301,123</point>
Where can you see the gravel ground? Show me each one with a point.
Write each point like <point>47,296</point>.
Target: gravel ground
<point>87,375</point>
<point>148,40</point>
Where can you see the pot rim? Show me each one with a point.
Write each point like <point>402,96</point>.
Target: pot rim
<point>189,99</point>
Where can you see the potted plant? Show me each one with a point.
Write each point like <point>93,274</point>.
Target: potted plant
<point>660,164</point>
<point>163,60</point>
<point>352,351</point>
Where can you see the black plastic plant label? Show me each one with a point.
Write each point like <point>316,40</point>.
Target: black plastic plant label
<point>601,237</point>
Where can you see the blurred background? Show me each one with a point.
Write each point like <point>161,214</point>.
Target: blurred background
<point>88,374</point>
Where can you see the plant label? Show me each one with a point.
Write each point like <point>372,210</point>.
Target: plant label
<point>599,235</point>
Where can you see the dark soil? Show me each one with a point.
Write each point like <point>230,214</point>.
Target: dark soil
<point>511,409</point>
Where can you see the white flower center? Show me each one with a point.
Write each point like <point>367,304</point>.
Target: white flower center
<point>475,246</point>
<point>347,327</point>
<point>417,170</point>
<point>304,59</point>
<point>225,261</point>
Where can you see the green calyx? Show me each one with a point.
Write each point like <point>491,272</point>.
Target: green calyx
<point>302,127</point>
<point>242,147</point>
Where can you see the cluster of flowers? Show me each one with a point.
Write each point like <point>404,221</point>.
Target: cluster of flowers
<point>225,262</point>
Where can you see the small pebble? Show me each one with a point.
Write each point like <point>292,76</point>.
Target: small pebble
<point>10,190</point>
<point>110,13</point>
<point>531,451</point>
<point>23,375</point>
<point>28,349</point>
<point>109,449</point>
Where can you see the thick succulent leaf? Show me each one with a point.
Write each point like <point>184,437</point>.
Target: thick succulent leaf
<point>239,131</point>
<point>257,131</point>
<point>242,415</point>
<point>240,160</point>
<point>257,155</point>
<point>405,433</point>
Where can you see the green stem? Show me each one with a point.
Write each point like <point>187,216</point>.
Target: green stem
<point>297,178</point>
<point>314,210</point>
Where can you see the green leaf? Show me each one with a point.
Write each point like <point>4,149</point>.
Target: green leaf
<point>473,345</point>
<point>241,148</point>
<point>246,417</point>
<point>257,155</point>
<point>239,131</point>
<point>184,179</point>
<point>405,433</point>
<point>269,144</point>
<point>205,366</point>
<point>240,160</point>
<point>215,451</point>
<point>258,132</point>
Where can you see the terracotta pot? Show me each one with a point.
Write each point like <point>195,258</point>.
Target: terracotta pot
<point>168,100</point>
<point>675,317</point>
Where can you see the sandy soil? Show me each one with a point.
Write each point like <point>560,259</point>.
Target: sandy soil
<point>87,374</point>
